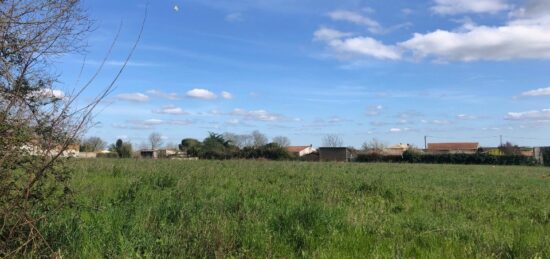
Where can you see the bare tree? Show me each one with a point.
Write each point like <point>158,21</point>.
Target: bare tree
<point>333,140</point>
<point>237,140</point>
<point>281,141</point>
<point>374,145</point>
<point>155,139</point>
<point>258,139</point>
<point>92,144</point>
<point>38,122</point>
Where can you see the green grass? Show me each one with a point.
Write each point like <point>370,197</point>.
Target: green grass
<point>129,208</point>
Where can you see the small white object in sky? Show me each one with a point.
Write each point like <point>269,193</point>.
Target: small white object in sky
<point>176,8</point>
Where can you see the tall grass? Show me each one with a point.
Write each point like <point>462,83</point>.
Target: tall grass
<point>129,208</point>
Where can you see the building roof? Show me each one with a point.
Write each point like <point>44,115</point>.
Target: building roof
<point>296,149</point>
<point>400,146</point>
<point>453,146</point>
<point>335,148</point>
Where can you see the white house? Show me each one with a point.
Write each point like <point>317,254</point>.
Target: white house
<point>301,151</point>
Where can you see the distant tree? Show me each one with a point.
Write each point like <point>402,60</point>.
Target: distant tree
<point>191,146</point>
<point>155,139</point>
<point>510,149</point>
<point>215,146</point>
<point>123,150</point>
<point>258,139</point>
<point>281,141</point>
<point>240,141</point>
<point>374,145</point>
<point>92,144</point>
<point>333,140</point>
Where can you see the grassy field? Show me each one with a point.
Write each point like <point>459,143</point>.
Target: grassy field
<point>129,208</point>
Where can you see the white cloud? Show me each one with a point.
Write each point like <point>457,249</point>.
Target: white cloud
<point>341,43</point>
<point>353,17</point>
<point>227,95</point>
<point>537,92</point>
<point>149,124</point>
<point>158,93</point>
<point>204,94</point>
<point>445,7</point>
<point>483,43</point>
<point>542,115</point>
<point>234,17</point>
<point>395,130</point>
<point>374,110</point>
<point>260,115</point>
<point>526,35</point>
<point>133,97</point>
<point>532,9</point>
<point>466,117</point>
<point>441,122</point>
<point>327,34</point>
<point>153,122</point>
<point>171,110</point>
<point>50,93</point>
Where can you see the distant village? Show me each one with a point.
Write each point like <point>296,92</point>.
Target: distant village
<point>332,151</point>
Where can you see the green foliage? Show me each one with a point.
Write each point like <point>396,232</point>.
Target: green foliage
<point>123,150</point>
<point>252,209</point>
<point>216,147</point>
<point>464,159</point>
<point>546,155</point>
<point>270,151</point>
<point>191,146</point>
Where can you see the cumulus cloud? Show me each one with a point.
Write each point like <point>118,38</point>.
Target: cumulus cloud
<point>227,95</point>
<point>526,35</point>
<point>203,94</point>
<point>259,115</point>
<point>356,18</point>
<point>536,115</point>
<point>537,92</point>
<point>507,42</point>
<point>171,110</point>
<point>133,97</point>
<point>445,7</point>
<point>349,46</point>
<point>161,94</point>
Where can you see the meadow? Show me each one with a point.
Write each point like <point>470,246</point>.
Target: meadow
<point>250,209</point>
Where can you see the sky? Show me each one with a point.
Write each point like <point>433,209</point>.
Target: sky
<point>396,70</point>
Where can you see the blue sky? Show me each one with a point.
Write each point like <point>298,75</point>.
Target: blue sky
<point>455,70</point>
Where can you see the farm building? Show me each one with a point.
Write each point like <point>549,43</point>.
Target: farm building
<point>148,154</point>
<point>166,153</point>
<point>87,155</point>
<point>300,151</point>
<point>453,148</point>
<point>338,154</point>
<point>396,150</point>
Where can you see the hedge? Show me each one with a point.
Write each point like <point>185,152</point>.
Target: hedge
<point>464,159</point>
<point>545,155</point>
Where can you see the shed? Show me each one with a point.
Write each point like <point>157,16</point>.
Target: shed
<point>337,154</point>
<point>148,154</point>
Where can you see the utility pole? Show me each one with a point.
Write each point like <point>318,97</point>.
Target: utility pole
<point>501,140</point>
<point>425,142</point>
